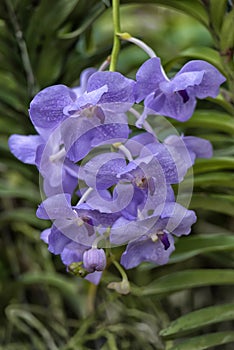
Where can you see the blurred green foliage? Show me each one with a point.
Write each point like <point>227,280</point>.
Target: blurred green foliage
<point>187,304</point>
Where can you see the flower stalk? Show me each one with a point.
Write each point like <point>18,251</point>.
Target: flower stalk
<point>139,43</point>
<point>116,42</point>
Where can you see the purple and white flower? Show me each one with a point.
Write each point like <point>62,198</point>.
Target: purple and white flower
<point>176,97</point>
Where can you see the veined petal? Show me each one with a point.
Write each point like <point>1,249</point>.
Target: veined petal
<point>196,146</point>
<point>79,143</point>
<point>100,172</point>
<point>211,81</point>
<point>87,99</point>
<point>181,82</point>
<point>76,230</point>
<point>172,162</point>
<point>84,77</point>
<point>172,105</point>
<point>45,235</point>
<point>200,147</point>
<point>148,78</point>
<point>124,231</point>
<point>180,219</point>
<point>144,249</point>
<point>120,89</point>
<point>137,143</point>
<point>24,147</point>
<point>94,277</point>
<point>130,212</point>
<point>57,241</point>
<point>46,109</point>
<point>72,252</point>
<point>56,207</point>
<point>109,133</point>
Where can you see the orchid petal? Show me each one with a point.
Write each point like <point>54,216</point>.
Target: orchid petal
<point>24,147</point>
<point>148,78</point>
<point>144,249</point>
<point>46,109</point>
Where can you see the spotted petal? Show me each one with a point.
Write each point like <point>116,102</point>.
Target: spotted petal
<point>144,249</point>
<point>46,109</point>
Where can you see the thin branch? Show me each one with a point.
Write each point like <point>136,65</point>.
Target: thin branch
<point>23,49</point>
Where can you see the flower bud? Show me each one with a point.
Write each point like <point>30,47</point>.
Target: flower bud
<point>94,260</point>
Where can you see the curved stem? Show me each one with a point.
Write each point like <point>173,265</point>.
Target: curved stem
<point>105,64</point>
<point>121,270</point>
<point>85,195</point>
<point>139,43</point>
<point>124,149</point>
<point>116,43</point>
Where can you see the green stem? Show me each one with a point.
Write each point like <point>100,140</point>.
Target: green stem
<point>116,42</point>
<point>121,270</point>
<point>91,299</point>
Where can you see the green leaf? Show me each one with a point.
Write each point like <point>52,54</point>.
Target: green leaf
<point>198,319</point>
<point>212,179</point>
<point>221,139</point>
<point>7,125</point>
<point>183,280</point>
<point>188,247</point>
<point>26,322</point>
<point>199,53</point>
<point>63,283</point>
<point>49,64</point>
<point>193,8</point>
<point>205,341</point>
<point>210,119</point>
<point>68,287</point>
<point>214,202</point>
<point>215,163</point>
<point>32,194</point>
<point>49,15</point>
<point>227,32</point>
<point>23,214</point>
<point>217,11</point>
<point>10,93</point>
<point>95,12</point>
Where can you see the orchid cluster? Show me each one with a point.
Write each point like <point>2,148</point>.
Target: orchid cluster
<point>108,183</point>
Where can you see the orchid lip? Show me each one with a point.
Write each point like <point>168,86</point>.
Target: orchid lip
<point>164,239</point>
<point>184,95</point>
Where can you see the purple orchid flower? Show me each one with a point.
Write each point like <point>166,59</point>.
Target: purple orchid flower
<point>48,154</point>
<point>46,150</point>
<point>155,167</point>
<point>150,237</point>
<point>74,231</point>
<point>46,109</point>
<point>175,98</point>
<point>134,182</point>
<point>71,252</point>
<point>79,223</point>
<point>98,116</point>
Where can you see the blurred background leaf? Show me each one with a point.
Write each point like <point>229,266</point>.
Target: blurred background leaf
<point>42,307</point>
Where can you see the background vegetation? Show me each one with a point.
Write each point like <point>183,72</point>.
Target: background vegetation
<point>185,305</point>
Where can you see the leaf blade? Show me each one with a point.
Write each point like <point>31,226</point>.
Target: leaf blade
<point>205,341</point>
<point>187,279</point>
<point>198,319</point>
